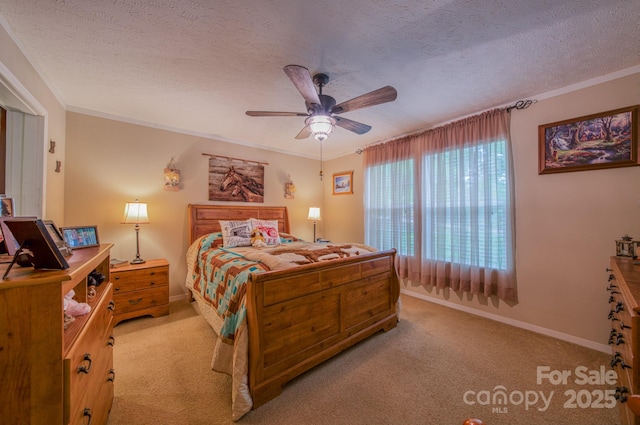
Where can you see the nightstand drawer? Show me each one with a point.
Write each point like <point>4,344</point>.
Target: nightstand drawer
<point>123,281</point>
<point>148,278</point>
<point>141,299</point>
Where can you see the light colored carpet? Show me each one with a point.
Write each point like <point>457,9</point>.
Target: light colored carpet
<point>417,373</point>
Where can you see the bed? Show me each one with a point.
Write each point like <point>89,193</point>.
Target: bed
<point>295,317</point>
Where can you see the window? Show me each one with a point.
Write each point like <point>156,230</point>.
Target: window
<point>445,208</point>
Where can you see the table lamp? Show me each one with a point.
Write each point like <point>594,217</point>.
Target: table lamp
<point>136,213</point>
<point>314,215</point>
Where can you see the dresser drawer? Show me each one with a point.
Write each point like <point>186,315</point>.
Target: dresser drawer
<point>141,299</point>
<point>90,359</point>
<point>89,406</point>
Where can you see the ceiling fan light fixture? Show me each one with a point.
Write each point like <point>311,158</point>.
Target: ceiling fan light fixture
<point>321,126</point>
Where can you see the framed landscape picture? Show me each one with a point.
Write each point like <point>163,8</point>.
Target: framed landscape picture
<point>605,140</point>
<point>343,183</point>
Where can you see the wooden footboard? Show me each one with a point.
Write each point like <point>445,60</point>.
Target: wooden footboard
<point>298,319</point>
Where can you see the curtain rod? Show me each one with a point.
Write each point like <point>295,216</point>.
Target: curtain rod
<point>521,104</point>
<point>245,161</point>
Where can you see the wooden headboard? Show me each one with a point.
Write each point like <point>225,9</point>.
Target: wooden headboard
<point>204,219</point>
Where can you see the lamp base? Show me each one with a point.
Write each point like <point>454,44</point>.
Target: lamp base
<point>137,261</point>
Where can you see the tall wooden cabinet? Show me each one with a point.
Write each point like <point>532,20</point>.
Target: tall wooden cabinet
<point>624,314</point>
<point>49,374</point>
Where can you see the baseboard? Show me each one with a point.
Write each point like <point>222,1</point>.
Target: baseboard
<point>179,297</point>
<point>517,323</point>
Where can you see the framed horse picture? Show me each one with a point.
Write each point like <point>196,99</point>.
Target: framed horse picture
<point>235,181</point>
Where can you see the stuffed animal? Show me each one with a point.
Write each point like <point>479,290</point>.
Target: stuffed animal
<point>257,239</point>
<point>74,308</point>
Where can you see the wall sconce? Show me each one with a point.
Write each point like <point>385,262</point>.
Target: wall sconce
<point>136,213</point>
<point>314,215</point>
<point>289,189</point>
<point>172,177</point>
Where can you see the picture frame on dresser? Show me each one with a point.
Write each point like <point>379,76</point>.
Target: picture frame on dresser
<point>36,245</point>
<point>78,237</point>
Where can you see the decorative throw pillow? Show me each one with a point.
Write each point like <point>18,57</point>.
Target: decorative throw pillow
<point>236,233</point>
<point>269,229</point>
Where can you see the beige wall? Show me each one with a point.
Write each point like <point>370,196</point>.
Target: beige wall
<point>19,68</point>
<point>342,214</point>
<point>110,163</point>
<point>567,224</point>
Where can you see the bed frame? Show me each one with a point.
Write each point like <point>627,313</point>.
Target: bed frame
<point>300,317</point>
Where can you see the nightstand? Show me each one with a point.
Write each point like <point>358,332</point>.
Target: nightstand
<point>140,290</point>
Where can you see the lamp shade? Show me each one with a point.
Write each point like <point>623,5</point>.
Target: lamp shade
<point>135,213</point>
<point>314,214</point>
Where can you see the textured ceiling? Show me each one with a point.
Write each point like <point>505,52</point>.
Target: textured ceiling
<point>198,65</point>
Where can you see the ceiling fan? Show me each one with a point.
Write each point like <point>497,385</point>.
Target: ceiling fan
<point>322,109</point>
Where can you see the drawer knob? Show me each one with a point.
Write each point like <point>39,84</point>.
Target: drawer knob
<point>87,413</point>
<point>111,341</point>
<point>621,394</point>
<point>617,359</point>
<point>136,301</point>
<point>112,375</point>
<point>112,305</point>
<point>85,368</point>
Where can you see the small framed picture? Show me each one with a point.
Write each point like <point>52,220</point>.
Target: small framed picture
<point>80,236</point>
<point>343,183</point>
<point>6,207</point>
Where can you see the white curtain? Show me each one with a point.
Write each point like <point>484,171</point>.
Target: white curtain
<point>444,199</point>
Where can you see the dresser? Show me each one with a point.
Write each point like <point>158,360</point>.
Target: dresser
<point>52,374</point>
<point>624,302</point>
<point>141,289</point>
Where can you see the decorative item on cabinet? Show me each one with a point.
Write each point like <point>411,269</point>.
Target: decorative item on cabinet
<point>625,247</point>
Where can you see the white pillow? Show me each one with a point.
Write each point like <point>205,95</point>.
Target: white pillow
<point>236,233</point>
<point>269,229</point>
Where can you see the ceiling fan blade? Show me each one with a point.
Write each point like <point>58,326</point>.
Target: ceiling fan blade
<point>376,97</point>
<point>304,133</point>
<point>355,126</point>
<point>301,78</point>
<point>274,114</point>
